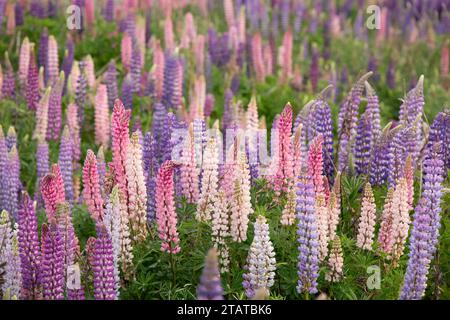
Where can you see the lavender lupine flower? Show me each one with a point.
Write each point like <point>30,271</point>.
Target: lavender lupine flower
<point>373,66</point>
<point>173,81</point>
<point>32,86</point>
<point>210,287</point>
<point>308,259</point>
<point>162,130</point>
<point>18,14</point>
<point>9,80</point>
<point>136,66</point>
<point>12,182</point>
<point>42,168</point>
<point>314,69</point>
<point>3,169</point>
<point>348,116</point>
<point>65,163</point>
<point>54,109</point>
<point>150,169</point>
<point>30,255</point>
<point>11,138</point>
<point>111,83</point>
<point>373,114</point>
<point>218,47</point>
<point>439,132</point>
<point>109,10</point>
<point>362,145</point>
<point>127,92</point>
<point>396,155</point>
<point>80,92</point>
<point>52,264</point>
<point>103,266</point>
<point>43,51</point>
<point>380,156</point>
<point>425,232</point>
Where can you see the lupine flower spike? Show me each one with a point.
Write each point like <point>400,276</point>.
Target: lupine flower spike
<point>210,287</point>
<point>366,226</point>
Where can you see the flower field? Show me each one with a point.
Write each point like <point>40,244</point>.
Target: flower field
<point>224,149</point>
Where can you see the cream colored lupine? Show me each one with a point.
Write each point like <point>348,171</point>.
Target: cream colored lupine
<point>210,177</point>
<point>221,230</point>
<point>102,121</point>
<point>90,70</point>
<point>400,220</point>
<point>366,226</point>
<point>24,61</point>
<point>41,80</point>
<point>40,129</point>
<point>126,248</point>
<point>137,191</point>
<point>73,77</point>
<point>188,171</point>
<point>288,213</point>
<point>335,262</point>
<point>334,206</point>
<point>251,116</point>
<point>322,219</point>
<point>241,207</point>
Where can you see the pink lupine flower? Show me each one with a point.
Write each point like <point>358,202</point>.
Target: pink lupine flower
<point>199,53</point>
<point>166,216</point>
<point>137,191</point>
<point>125,51</point>
<point>400,220</point>
<point>169,40</point>
<point>102,116</point>
<point>297,151</point>
<point>189,172</point>
<point>287,55</point>
<point>288,213</point>
<point>189,31</point>
<point>444,60</point>
<point>24,60</point>
<point>74,128</point>
<point>366,226</point>
<point>90,12</point>
<point>251,116</point>
<point>268,59</point>
<point>52,60</point>
<point>322,215</point>
<point>284,177</point>
<point>120,142</point>
<point>32,83</point>
<point>158,65</point>
<point>315,164</point>
<point>52,190</point>
<point>40,129</point>
<point>257,57</point>
<point>385,235</point>
<point>73,77</point>
<point>241,25</point>
<point>228,8</point>
<point>91,192</point>
<point>334,206</point>
<point>89,70</point>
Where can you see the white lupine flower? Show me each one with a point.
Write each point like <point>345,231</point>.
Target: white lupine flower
<point>322,213</point>
<point>210,177</point>
<point>366,226</point>
<point>9,257</point>
<point>221,230</point>
<point>261,263</point>
<point>335,262</point>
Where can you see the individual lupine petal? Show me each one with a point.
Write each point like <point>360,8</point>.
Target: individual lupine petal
<point>65,162</point>
<point>74,128</point>
<point>40,130</point>
<point>210,287</point>
<point>240,206</point>
<point>9,257</point>
<point>103,266</point>
<point>307,232</point>
<point>30,256</point>
<point>189,173</point>
<point>165,209</point>
<point>52,189</point>
<point>12,182</point>
<point>24,61</point>
<point>367,220</point>
<point>55,109</point>
<point>92,192</point>
<point>261,263</point>
<point>52,60</point>
<point>120,142</point>
<point>335,262</point>
<point>52,265</point>
<point>284,177</point>
<point>348,116</point>
<point>137,191</point>
<point>102,121</point>
<point>9,82</point>
<point>110,78</point>
<point>32,81</point>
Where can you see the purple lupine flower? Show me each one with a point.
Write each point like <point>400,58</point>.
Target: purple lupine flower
<point>150,169</point>
<point>314,69</point>
<point>9,80</point>
<point>373,114</point>
<point>396,156</point>
<point>37,9</point>
<point>12,181</point>
<point>103,266</point>
<point>11,138</point>
<point>439,132</point>
<point>275,21</point>
<point>308,259</point>
<point>3,170</point>
<point>173,82</point>
<point>348,117</point>
<point>109,10</point>
<point>379,160</point>
<point>30,255</point>
<point>67,63</point>
<point>235,83</point>
<point>52,9</point>
<point>209,104</point>
<point>136,66</point>
<point>218,48</point>
<point>2,11</point>
<point>42,52</point>
<point>19,14</point>
<point>285,7</point>
<point>80,92</point>
<point>32,87</point>
<point>55,109</point>
<point>373,66</point>
<point>159,116</point>
<point>362,145</point>
<point>390,75</point>
<point>42,168</point>
<point>177,137</point>
<point>427,221</point>
<point>127,92</point>
<point>210,287</point>
<point>111,83</point>
<point>65,163</point>
<point>299,14</point>
<point>52,264</point>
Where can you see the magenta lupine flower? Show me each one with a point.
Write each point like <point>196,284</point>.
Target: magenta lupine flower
<point>165,209</point>
<point>348,116</point>
<point>307,232</point>
<point>158,65</point>
<point>257,57</point>
<point>32,86</point>
<point>103,266</point>
<point>12,181</point>
<point>111,83</point>
<point>52,190</point>
<point>52,264</point>
<point>120,142</point>
<point>54,109</point>
<point>125,51</point>
<point>427,221</point>
<point>65,163</point>
<point>284,177</point>
<point>30,255</point>
<point>9,81</point>
<point>173,82</point>
<point>210,287</point>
